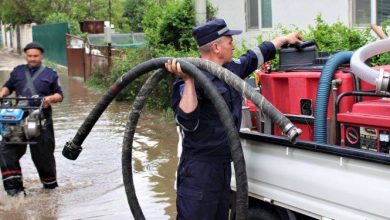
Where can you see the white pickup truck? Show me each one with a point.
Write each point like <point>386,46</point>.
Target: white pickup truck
<point>316,180</point>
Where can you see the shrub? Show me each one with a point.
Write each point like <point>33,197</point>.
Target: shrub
<point>330,38</point>
<point>168,26</point>
<point>337,36</point>
<point>130,59</point>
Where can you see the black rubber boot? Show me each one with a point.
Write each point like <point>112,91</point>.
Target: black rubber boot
<point>50,186</point>
<point>15,192</point>
<point>14,186</point>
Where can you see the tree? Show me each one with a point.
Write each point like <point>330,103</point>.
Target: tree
<point>22,11</point>
<point>169,24</point>
<point>133,13</point>
<point>15,12</point>
<point>59,17</point>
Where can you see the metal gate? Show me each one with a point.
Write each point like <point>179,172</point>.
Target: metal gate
<point>53,39</point>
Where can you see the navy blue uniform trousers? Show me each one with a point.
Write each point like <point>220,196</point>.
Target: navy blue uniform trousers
<point>203,188</point>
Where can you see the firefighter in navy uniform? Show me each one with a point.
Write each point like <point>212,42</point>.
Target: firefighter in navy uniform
<point>204,172</point>
<point>32,79</point>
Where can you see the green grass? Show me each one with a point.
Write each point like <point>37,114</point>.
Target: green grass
<point>167,115</point>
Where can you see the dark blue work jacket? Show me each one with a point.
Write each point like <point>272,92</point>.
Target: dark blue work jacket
<point>204,136</point>
<point>45,84</point>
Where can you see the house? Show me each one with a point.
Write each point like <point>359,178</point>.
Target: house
<point>257,17</point>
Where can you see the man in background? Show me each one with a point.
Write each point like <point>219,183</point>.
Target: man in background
<point>32,80</point>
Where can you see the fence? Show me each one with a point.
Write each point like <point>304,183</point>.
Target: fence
<point>93,56</point>
<point>85,59</point>
<point>53,39</point>
<point>16,37</point>
<point>118,40</point>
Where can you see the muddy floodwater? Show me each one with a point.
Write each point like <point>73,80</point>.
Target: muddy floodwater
<point>91,187</point>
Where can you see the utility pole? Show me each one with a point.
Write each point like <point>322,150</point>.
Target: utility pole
<point>200,11</point>
<point>109,33</point>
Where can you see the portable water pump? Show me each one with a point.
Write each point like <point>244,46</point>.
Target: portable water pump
<point>350,109</point>
<point>20,119</point>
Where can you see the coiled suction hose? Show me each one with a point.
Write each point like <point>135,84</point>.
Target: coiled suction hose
<point>73,148</point>
<point>127,146</point>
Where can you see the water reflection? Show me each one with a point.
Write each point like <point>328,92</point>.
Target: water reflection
<point>91,187</point>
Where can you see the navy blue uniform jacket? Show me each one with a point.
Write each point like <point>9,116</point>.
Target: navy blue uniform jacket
<point>203,133</point>
<point>46,84</point>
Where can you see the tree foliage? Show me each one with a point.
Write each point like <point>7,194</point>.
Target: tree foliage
<point>337,36</point>
<point>176,25</point>
<point>15,12</point>
<point>330,37</point>
<point>168,26</point>
<point>59,17</point>
<point>211,11</point>
<point>133,14</point>
<point>36,11</point>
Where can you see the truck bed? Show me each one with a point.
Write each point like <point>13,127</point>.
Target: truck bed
<point>318,180</point>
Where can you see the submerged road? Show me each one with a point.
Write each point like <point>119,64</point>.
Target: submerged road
<point>91,187</point>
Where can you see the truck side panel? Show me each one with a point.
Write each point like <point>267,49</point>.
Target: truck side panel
<point>317,184</point>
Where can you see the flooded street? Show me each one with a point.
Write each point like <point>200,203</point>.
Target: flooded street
<point>91,187</point>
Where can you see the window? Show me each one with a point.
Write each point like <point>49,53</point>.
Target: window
<point>383,11</point>
<point>362,12</point>
<point>365,12</point>
<point>253,14</point>
<point>266,14</point>
<point>259,12</point>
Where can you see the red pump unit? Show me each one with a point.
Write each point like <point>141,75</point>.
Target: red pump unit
<point>294,94</point>
<point>361,119</point>
<point>367,126</point>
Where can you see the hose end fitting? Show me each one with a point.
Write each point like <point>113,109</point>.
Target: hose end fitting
<point>383,82</point>
<point>71,150</point>
<point>292,132</point>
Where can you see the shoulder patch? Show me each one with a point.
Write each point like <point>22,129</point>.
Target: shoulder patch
<point>237,61</point>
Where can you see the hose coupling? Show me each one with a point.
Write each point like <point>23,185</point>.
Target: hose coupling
<point>292,132</point>
<point>383,82</point>
<point>71,150</point>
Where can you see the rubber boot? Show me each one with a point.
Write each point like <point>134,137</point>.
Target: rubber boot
<point>14,186</point>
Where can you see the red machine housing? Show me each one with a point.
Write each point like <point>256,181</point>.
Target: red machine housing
<point>294,94</point>
<point>367,125</point>
<point>290,92</point>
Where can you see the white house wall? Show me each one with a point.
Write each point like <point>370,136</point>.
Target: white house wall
<point>8,40</point>
<point>3,33</point>
<point>14,39</point>
<point>300,13</point>
<point>233,11</point>
<point>25,36</point>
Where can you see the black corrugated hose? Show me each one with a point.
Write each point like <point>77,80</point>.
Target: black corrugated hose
<point>127,146</point>
<point>249,92</point>
<point>73,148</point>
